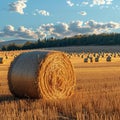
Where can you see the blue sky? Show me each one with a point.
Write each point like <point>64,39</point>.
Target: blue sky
<point>33,19</point>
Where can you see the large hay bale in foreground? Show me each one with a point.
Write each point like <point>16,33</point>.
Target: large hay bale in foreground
<point>42,74</point>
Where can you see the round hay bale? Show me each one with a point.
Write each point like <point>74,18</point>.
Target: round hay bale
<point>108,59</point>
<point>85,60</point>
<point>91,59</point>
<point>97,59</point>
<point>82,56</point>
<point>1,60</point>
<point>42,74</point>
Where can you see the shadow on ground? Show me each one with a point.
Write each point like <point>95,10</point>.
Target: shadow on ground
<point>6,98</point>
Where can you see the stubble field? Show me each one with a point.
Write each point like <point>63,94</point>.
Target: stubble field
<point>97,92</point>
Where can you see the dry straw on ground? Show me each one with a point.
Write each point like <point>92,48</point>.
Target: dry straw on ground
<point>42,74</point>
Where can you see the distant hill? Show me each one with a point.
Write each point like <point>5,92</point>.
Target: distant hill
<point>17,42</point>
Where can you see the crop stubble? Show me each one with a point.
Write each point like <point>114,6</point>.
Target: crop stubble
<point>97,96</point>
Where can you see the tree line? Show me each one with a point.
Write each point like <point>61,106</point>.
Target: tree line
<point>77,40</point>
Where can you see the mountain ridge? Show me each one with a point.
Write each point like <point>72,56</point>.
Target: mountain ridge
<point>15,41</point>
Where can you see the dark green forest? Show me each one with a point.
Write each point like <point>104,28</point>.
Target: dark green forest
<point>77,40</point>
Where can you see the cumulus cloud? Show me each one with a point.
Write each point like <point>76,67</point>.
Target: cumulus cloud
<point>41,12</point>
<point>108,2</point>
<point>26,33</point>
<point>18,6</point>
<point>46,27</point>
<point>101,2</point>
<point>83,13</point>
<point>78,27</point>
<point>61,27</point>
<point>99,27</point>
<point>75,26</point>
<point>41,34</point>
<point>70,3</point>
<point>59,30</point>
<point>85,3</point>
<point>98,2</point>
<point>54,30</point>
<point>8,30</point>
<point>21,32</point>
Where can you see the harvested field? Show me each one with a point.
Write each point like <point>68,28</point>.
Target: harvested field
<point>96,97</point>
<point>91,49</point>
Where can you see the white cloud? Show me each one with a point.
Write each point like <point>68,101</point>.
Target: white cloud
<point>78,27</point>
<point>22,32</point>
<point>26,33</point>
<point>61,27</point>
<point>41,34</point>
<point>42,12</point>
<point>47,27</point>
<point>8,30</point>
<point>85,3</point>
<point>59,30</point>
<point>91,5</point>
<point>101,2</point>
<point>108,2</point>
<point>18,6</point>
<point>70,3</point>
<point>98,2</point>
<point>75,25</point>
<point>83,13</point>
<point>99,27</point>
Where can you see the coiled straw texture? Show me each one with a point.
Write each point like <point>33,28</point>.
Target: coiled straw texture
<point>42,74</point>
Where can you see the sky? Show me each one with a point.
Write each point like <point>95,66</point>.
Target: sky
<point>34,19</point>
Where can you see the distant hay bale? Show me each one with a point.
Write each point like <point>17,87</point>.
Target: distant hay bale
<point>82,56</point>
<point>97,59</point>
<point>78,55</point>
<point>42,74</point>
<point>1,60</point>
<point>108,59</point>
<point>94,54</point>
<point>85,60</point>
<point>114,55</point>
<point>91,59</point>
<point>102,55</point>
